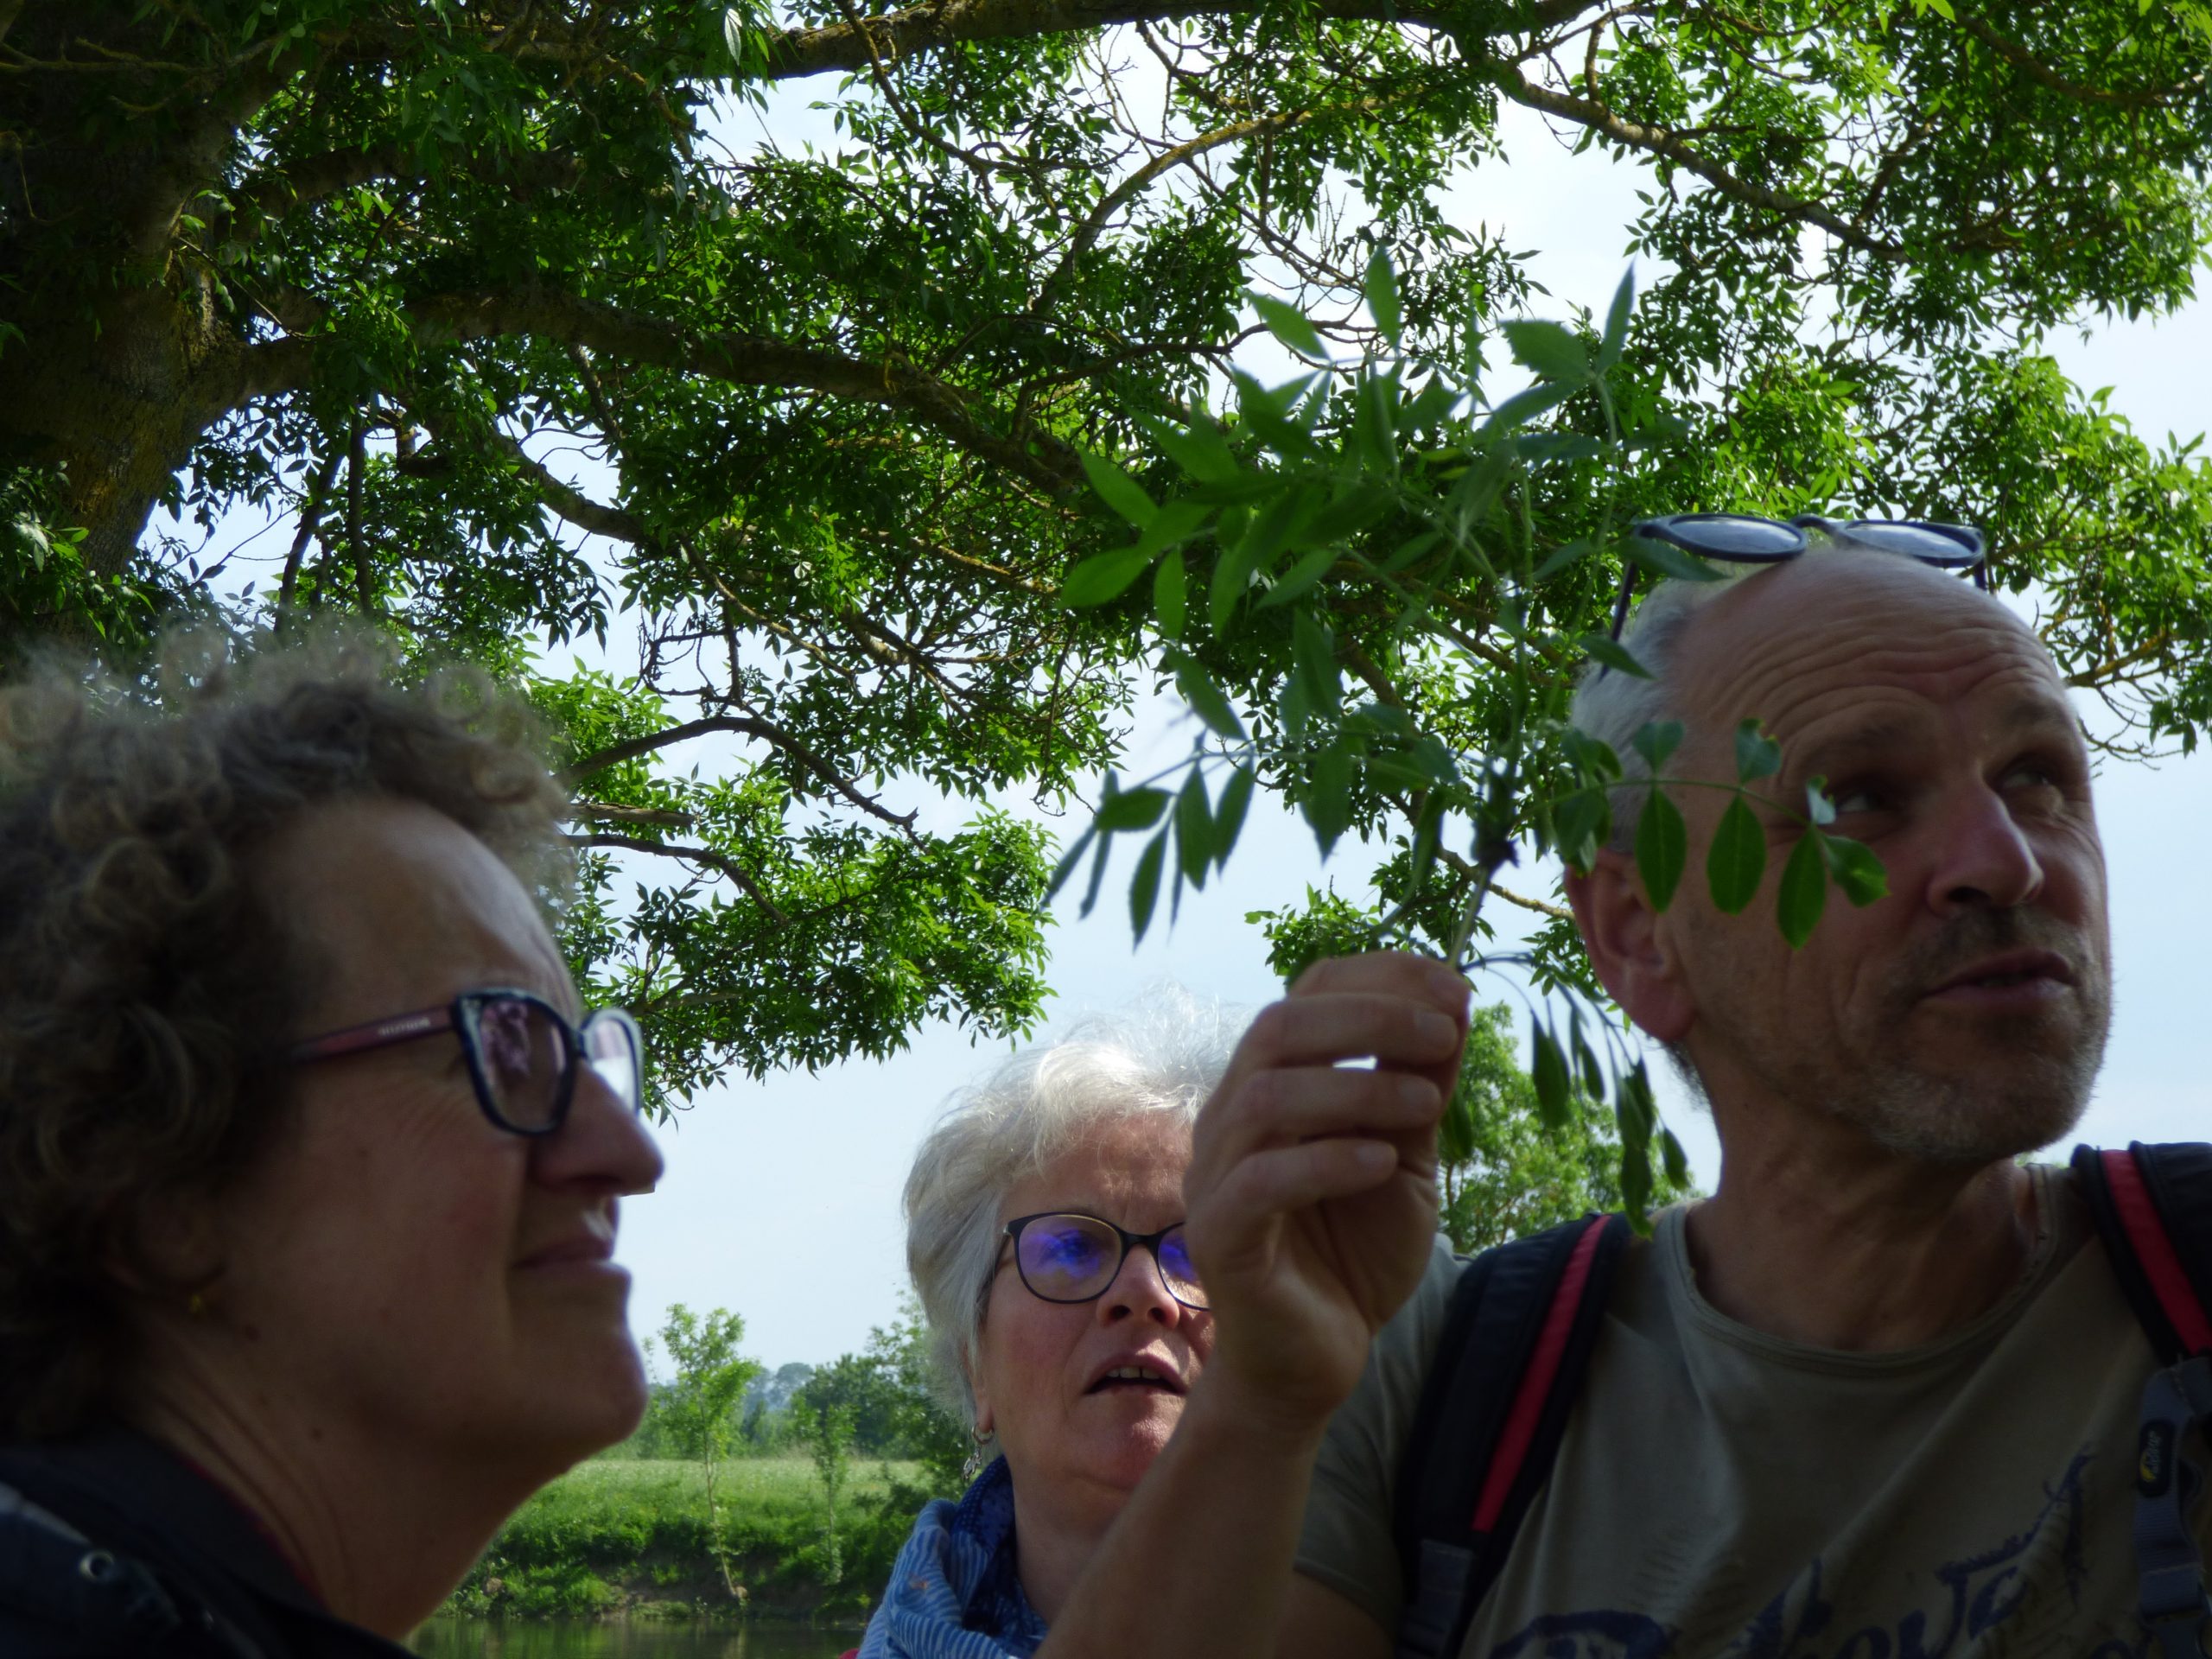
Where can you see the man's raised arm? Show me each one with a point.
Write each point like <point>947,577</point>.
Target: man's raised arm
<point>1311,1206</point>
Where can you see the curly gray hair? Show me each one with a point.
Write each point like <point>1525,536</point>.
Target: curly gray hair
<point>146,984</point>
<point>1163,1055</point>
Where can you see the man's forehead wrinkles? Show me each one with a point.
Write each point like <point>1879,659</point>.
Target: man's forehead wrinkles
<point>1805,675</point>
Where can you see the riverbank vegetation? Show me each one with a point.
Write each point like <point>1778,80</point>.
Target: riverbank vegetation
<point>632,1535</point>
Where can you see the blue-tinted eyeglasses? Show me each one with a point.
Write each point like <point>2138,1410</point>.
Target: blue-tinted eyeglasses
<point>1062,1257</point>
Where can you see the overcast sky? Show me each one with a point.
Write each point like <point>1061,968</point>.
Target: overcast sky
<point>781,1201</point>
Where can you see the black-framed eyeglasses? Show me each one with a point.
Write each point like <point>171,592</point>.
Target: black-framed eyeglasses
<point>1066,1256</point>
<point>1746,538</point>
<point>523,1053</point>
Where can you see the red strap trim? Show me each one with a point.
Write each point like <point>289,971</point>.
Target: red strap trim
<point>1536,1382</point>
<point>2155,1253</point>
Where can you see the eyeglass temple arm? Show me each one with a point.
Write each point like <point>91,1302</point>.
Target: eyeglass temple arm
<point>1620,604</point>
<point>377,1033</point>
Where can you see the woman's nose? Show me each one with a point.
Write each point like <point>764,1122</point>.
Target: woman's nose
<point>1139,1290</point>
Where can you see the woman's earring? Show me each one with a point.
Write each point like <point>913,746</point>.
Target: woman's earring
<point>974,1466</point>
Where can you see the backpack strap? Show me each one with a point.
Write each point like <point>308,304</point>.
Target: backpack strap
<point>2153,1207</point>
<point>1517,1339</point>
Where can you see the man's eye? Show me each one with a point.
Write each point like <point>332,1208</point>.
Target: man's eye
<point>1856,798</point>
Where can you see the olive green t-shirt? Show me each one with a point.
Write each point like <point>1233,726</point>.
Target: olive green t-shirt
<point>1723,1492</point>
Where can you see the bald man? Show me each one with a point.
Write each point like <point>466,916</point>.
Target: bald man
<point>1878,1396</point>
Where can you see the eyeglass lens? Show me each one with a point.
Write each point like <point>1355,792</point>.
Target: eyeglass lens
<point>524,1055</point>
<point>1724,534</point>
<point>1075,1258</point>
<point>1928,546</point>
<point>610,1044</point>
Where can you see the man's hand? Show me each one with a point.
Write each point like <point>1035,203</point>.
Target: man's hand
<point>1312,1189</point>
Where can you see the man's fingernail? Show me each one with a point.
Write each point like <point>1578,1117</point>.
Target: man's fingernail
<point>1437,1030</point>
<point>1415,1093</point>
<point>1374,1154</point>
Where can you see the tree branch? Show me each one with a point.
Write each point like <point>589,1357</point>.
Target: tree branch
<point>659,817</point>
<point>706,855</point>
<point>746,359</point>
<point>2043,75</point>
<point>853,46</point>
<point>746,726</point>
<point>1658,140</point>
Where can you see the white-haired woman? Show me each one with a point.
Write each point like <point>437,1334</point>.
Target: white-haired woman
<point>1044,1231</point>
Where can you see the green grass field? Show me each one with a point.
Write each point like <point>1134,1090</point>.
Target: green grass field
<point>633,1533</point>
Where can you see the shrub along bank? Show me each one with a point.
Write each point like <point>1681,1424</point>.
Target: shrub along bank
<point>632,1535</point>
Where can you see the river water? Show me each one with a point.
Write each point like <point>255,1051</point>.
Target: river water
<point>490,1638</point>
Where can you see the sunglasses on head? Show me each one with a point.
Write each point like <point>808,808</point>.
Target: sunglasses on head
<point>1063,1256</point>
<point>1746,538</point>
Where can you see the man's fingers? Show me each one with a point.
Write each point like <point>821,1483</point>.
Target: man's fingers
<point>1267,1186</point>
<point>1304,1103</point>
<point>1388,973</point>
<point>1326,1028</point>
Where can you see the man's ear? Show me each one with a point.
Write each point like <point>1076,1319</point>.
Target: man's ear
<point>1633,957</point>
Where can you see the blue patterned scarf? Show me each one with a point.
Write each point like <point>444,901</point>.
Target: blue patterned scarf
<point>953,1593</point>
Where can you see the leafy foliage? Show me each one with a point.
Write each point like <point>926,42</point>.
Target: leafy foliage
<point>444,287</point>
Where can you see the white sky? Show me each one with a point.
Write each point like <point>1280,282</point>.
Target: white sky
<point>781,1201</point>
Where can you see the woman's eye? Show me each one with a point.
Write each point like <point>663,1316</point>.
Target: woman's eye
<point>1855,798</point>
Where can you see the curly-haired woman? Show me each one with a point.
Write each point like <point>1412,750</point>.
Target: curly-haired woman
<point>309,1163</point>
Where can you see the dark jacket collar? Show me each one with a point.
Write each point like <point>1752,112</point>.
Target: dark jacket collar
<point>129,1494</point>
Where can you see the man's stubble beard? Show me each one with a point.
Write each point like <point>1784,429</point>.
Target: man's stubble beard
<point>2032,1093</point>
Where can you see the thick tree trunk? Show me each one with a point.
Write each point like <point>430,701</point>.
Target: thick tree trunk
<point>123,357</point>
<point>116,399</point>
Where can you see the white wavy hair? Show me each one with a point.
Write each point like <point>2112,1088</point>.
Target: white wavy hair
<point>1163,1054</point>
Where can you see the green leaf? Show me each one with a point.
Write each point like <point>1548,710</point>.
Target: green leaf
<point>1194,829</point>
<point>1562,557</point>
<point>1804,890</point>
<point>1613,655</point>
<point>1420,856</point>
<point>1737,859</point>
<point>1200,449</point>
<point>1314,650</point>
<point>1655,740</point>
<point>1328,801</point>
<point>1524,406</point>
<point>1382,297</point>
<point>1287,325</point>
<point>1144,885</point>
<point>1065,867</point>
<point>1662,847</point>
<point>1669,560</point>
<point>1170,594</point>
<point>1636,1175</point>
<point>1204,697</point>
<point>1757,755</point>
<point>1097,874</point>
<point>1171,525</point>
<point>1677,1161</point>
<point>1551,351</point>
<point>1229,815</point>
<point>1132,809</point>
<point>1580,822</point>
<point>1856,870</point>
<point>1118,489</point>
<point>1549,1072</point>
<point>1616,316</point>
<point>1585,1060</point>
<point>1375,423</point>
<point>1818,807</point>
<point>1103,577</point>
<point>1301,577</point>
